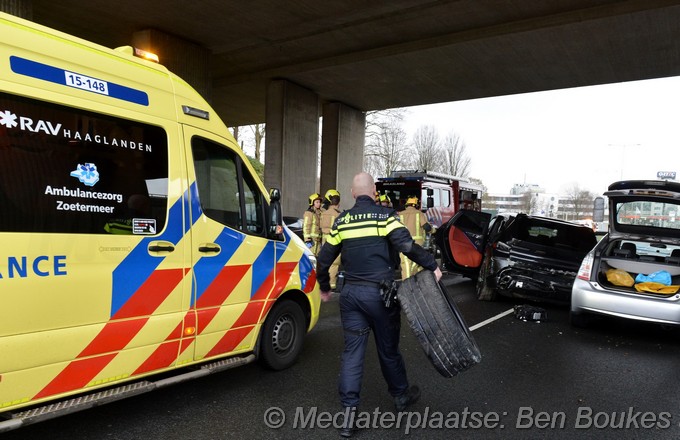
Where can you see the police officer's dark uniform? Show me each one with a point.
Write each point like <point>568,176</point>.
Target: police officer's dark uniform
<point>369,238</point>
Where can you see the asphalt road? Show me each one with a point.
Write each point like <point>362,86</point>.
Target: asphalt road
<point>615,380</point>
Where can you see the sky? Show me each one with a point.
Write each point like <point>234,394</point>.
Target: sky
<point>587,136</point>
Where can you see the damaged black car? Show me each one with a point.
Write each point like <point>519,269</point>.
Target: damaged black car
<point>515,255</point>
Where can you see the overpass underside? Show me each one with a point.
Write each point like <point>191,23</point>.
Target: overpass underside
<point>283,62</point>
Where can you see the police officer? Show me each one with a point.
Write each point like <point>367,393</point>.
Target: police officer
<point>417,225</point>
<point>311,226</point>
<point>370,238</point>
<point>328,216</point>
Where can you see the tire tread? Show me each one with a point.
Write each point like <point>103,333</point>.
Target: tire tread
<point>438,325</point>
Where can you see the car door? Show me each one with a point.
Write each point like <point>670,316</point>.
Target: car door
<point>462,241</point>
<point>233,260</point>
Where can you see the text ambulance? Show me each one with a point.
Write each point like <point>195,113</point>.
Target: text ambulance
<point>134,236</point>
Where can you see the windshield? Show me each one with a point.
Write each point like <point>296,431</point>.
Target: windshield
<point>553,233</point>
<point>654,214</point>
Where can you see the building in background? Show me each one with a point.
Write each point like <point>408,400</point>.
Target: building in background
<point>533,200</point>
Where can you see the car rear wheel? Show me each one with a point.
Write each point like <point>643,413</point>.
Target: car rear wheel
<point>282,335</point>
<point>437,324</point>
<point>485,292</point>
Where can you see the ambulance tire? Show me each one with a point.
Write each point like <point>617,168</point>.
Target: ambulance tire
<point>282,335</point>
<point>485,292</point>
<point>437,324</point>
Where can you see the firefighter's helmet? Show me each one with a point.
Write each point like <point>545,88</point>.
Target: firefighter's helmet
<point>384,198</point>
<point>332,193</point>
<point>314,197</point>
<point>412,201</point>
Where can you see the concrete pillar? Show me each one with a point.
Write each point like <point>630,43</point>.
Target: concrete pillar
<point>292,137</point>
<point>18,8</point>
<point>342,149</point>
<point>187,60</point>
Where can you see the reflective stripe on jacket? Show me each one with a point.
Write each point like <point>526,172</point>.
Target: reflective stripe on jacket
<point>311,226</point>
<point>369,238</point>
<point>415,221</point>
<point>327,218</point>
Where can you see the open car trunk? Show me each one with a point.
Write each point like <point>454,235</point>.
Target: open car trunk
<point>636,257</point>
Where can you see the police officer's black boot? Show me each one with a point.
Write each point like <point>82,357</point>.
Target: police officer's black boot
<point>411,396</point>
<point>347,428</point>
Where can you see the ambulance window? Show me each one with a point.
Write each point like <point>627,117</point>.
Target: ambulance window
<point>66,170</point>
<point>254,205</point>
<point>222,196</point>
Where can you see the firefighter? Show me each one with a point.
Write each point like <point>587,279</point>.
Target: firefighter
<point>328,217</point>
<point>384,200</point>
<point>311,227</point>
<point>417,225</point>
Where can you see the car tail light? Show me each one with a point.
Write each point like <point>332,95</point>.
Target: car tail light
<point>586,267</point>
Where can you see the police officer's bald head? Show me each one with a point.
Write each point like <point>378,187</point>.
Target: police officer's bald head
<point>363,185</point>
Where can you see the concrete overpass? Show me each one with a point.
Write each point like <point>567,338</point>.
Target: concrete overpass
<point>287,62</point>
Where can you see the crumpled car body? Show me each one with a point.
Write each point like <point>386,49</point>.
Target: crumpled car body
<point>515,255</point>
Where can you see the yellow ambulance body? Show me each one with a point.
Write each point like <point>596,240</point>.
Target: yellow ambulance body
<point>135,237</point>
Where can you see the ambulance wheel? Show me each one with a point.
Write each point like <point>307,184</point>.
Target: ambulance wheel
<point>484,291</point>
<point>282,335</point>
<point>437,324</point>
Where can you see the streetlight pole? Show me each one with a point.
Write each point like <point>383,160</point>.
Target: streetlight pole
<point>623,155</point>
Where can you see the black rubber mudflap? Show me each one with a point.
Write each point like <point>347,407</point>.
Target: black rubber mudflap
<point>438,324</point>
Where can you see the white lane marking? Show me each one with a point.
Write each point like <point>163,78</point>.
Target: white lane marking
<point>492,319</point>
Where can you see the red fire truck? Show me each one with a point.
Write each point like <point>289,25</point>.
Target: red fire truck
<point>440,195</point>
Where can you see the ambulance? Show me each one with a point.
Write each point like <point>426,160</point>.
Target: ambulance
<point>135,237</point>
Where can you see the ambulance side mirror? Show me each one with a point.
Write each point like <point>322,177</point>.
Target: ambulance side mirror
<point>275,226</point>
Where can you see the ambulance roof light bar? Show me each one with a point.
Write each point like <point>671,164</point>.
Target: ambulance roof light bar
<point>139,53</point>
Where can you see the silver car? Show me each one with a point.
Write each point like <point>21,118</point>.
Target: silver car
<point>634,271</point>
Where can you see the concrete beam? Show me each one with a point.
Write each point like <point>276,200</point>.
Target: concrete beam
<point>292,139</point>
<point>18,8</point>
<point>342,149</point>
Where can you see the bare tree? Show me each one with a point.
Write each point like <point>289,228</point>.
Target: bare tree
<point>245,141</point>
<point>581,200</point>
<point>529,202</point>
<point>258,134</point>
<point>376,120</point>
<point>427,149</point>
<point>387,149</point>
<point>456,160</point>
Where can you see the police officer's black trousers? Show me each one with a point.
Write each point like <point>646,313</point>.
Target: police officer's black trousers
<point>362,311</point>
